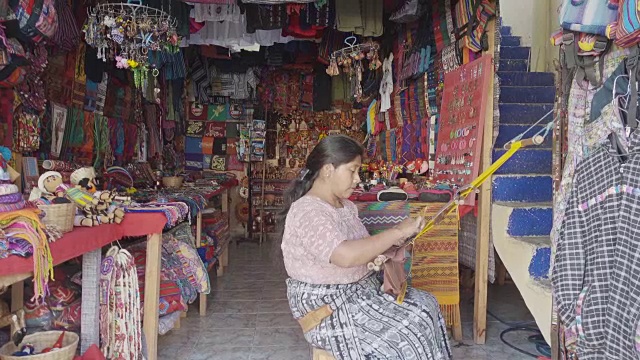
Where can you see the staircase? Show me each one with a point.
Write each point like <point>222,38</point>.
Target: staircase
<point>521,213</point>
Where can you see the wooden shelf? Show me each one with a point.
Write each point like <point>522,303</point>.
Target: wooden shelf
<point>272,192</point>
<point>282,181</point>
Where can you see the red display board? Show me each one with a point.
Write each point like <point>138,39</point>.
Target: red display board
<point>459,142</point>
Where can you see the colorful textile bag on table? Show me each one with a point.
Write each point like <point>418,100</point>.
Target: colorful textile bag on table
<point>37,19</point>
<point>588,16</point>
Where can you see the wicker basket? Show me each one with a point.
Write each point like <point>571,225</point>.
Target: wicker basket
<point>172,181</point>
<point>43,340</point>
<point>59,215</point>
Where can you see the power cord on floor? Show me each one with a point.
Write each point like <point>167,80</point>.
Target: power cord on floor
<point>537,339</point>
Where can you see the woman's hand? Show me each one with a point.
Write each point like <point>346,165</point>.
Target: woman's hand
<point>410,227</point>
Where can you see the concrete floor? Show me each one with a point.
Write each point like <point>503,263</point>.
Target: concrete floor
<point>249,318</point>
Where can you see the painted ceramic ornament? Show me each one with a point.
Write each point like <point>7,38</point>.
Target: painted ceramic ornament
<point>411,166</point>
<point>424,168</point>
<point>418,164</point>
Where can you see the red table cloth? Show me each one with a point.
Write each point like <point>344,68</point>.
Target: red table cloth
<point>84,239</point>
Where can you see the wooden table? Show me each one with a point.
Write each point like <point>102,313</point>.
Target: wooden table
<point>88,242</point>
<point>224,256</point>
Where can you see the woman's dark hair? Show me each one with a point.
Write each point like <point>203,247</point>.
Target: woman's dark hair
<point>334,149</point>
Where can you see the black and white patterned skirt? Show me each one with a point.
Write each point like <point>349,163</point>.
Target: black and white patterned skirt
<point>368,324</point>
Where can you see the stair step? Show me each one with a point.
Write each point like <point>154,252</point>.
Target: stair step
<point>508,132</point>
<point>513,65</point>
<point>515,53</point>
<point>523,205</point>
<point>540,263</point>
<point>534,222</point>
<point>505,30</point>
<point>527,95</point>
<point>525,162</point>
<point>524,114</point>
<point>526,79</point>
<point>522,188</point>
<point>536,241</point>
<point>509,40</point>
<point>544,284</point>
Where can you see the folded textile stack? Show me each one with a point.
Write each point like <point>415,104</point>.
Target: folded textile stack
<point>175,212</point>
<point>59,310</point>
<point>10,198</point>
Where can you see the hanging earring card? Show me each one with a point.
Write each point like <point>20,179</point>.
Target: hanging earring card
<point>459,142</point>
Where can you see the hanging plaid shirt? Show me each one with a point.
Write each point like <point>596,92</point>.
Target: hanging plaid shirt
<point>585,253</point>
<point>623,314</point>
<point>596,259</point>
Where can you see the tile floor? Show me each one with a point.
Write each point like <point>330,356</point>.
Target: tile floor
<point>248,317</point>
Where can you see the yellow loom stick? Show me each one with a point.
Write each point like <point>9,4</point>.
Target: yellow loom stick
<point>452,205</point>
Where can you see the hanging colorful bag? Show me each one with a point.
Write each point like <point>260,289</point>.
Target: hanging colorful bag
<point>38,19</point>
<point>627,28</point>
<point>588,16</point>
<point>12,62</point>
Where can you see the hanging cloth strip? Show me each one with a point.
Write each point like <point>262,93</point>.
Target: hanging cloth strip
<point>393,140</point>
<point>89,137</point>
<point>74,131</point>
<point>120,308</point>
<point>101,139</point>
<point>432,143</point>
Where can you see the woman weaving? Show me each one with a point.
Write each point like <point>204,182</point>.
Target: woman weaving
<point>338,302</point>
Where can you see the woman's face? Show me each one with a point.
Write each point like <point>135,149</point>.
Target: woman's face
<point>345,178</point>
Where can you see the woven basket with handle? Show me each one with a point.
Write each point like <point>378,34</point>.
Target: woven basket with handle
<point>41,341</point>
<point>59,215</point>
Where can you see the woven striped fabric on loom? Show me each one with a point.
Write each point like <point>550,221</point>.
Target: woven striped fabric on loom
<point>435,260</point>
<point>435,254</point>
<point>379,216</point>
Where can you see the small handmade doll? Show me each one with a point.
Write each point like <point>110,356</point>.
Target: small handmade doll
<point>107,210</point>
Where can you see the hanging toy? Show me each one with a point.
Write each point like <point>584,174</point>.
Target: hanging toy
<point>57,345</point>
<point>156,89</point>
<point>122,63</point>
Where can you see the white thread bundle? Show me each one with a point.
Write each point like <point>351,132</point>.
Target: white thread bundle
<point>120,314</point>
<point>376,264</point>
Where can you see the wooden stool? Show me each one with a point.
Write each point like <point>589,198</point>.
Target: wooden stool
<point>319,354</point>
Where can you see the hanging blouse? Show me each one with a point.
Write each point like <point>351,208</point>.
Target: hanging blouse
<point>386,86</point>
<point>233,35</point>
<point>216,12</point>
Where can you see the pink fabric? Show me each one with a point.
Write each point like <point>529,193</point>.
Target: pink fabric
<point>313,229</point>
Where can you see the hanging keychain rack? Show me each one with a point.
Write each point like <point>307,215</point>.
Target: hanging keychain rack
<point>353,49</point>
<point>136,10</point>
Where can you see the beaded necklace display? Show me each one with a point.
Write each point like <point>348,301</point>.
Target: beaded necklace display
<point>120,311</point>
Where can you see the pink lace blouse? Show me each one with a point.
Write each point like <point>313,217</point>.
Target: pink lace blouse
<point>313,229</point>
